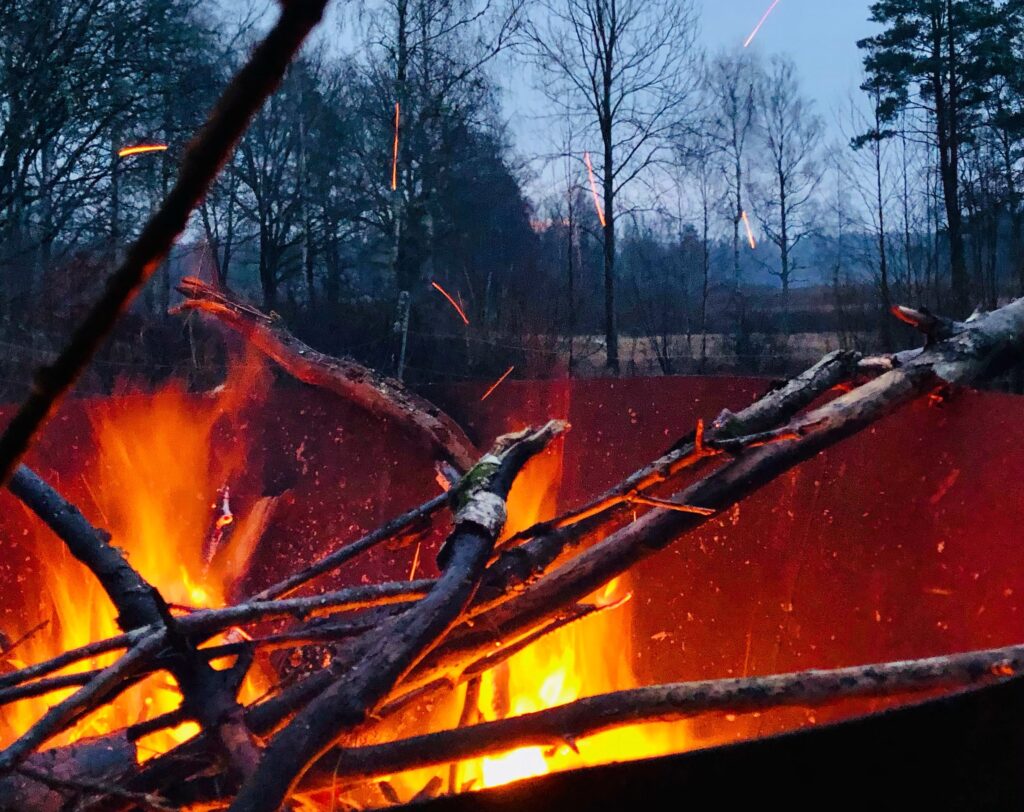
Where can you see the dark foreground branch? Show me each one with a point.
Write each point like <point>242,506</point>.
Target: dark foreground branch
<point>384,658</point>
<point>563,725</point>
<point>202,162</point>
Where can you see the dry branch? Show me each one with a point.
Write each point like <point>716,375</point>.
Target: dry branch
<point>368,389</point>
<point>425,645</point>
<point>202,162</point>
<point>981,349</point>
<point>563,725</point>
<point>382,660</point>
<point>209,695</point>
<point>549,541</point>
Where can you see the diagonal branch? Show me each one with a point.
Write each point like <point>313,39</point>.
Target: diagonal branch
<point>562,726</point>
<point>382,659</point>
<point>203,160</point>
<point>377,394</point>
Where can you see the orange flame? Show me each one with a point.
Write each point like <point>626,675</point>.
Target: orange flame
<point>760,23</point>
<point>589,657</point>
<point>750,231</point>
<point>150,484</point>
<point>497,383</point>
<point>452,302</point>
<point>141,149</point>
<point>593,189</point>
<point>394,157</point>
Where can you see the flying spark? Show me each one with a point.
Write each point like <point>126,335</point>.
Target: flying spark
<point>761,22</point>
<point>394,157</point>
<point>593,188</point>
<point>497,383</point>
<point>141,149</point>
<point>750,231</point>
<point>451,301</point>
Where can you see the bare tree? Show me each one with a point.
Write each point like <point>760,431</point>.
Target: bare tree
<point>871,178</point>
<point>698,153</point>
<point>729,89</point>
<point>790,134</point>
<point>625,69</point>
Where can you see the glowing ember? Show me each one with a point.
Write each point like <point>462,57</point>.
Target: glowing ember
<point>760,23</point>
<point>497,383</point>
<point>394,156</point>
<point>452,302</point>
<point>593,188</point>
<point>750,232</point>
<point>141,149</point>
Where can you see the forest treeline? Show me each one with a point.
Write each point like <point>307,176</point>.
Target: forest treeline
<point>688,212</point>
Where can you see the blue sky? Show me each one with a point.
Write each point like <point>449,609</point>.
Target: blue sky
<point>819,35</point>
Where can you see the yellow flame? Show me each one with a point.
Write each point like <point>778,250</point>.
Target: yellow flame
<point>149,484</point>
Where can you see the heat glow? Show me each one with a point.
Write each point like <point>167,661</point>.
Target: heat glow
<point>156,482</point>
<point>162,477</point>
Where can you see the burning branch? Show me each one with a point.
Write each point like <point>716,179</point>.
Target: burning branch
<point>406,643</point>
<point>207,696</point>
<point>366,388</point>
<point>202,162</point>
<point>382,660</point>
<point>563,726</point>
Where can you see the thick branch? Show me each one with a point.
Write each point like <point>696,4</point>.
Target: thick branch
<point>982,349</point>
<point>134,598</point>
<point>563,725</point>
<point>385,397</point>
<point>550,540</point>
<point>381,660</point>
<point>208,694</point>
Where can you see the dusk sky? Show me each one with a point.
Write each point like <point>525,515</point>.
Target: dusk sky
<point>819,35</point>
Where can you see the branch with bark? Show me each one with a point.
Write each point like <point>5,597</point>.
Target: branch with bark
<point>368,389</point>
<point>393,647</point>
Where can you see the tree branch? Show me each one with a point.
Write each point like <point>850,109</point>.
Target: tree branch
<point>377,394</point>
<point>382,659</point>
<point>202,162</point>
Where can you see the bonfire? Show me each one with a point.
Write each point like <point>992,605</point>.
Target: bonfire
<point>174,692</point>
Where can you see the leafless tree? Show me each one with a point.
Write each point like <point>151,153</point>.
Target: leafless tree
<point>625,69</point>
<point>790,135</point>
<point>729,88</point>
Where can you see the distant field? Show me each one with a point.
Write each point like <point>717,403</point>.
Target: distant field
<point>767,355</point>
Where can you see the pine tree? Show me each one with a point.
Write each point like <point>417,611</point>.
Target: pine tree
<point>935,56</point>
